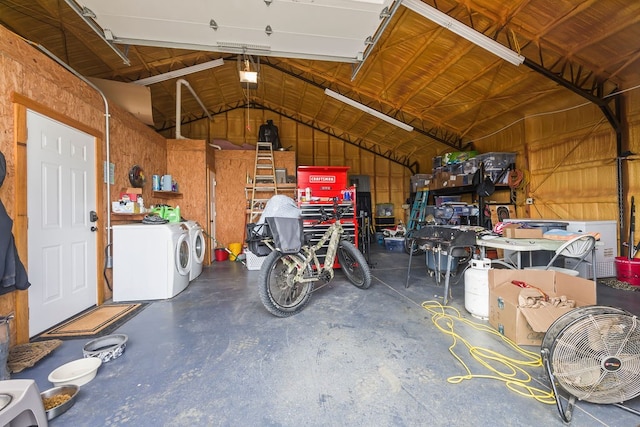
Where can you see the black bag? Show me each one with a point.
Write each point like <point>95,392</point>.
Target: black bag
<point>256,233</point>
<point>288,234</point>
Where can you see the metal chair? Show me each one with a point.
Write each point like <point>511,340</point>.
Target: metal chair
<point>578,248</point>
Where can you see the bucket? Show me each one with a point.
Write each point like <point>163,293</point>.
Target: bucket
<point>236,249</point>
<point>221,254</point>
<point>432,261</point>
<point>476,288</point>
<point>628,270</point>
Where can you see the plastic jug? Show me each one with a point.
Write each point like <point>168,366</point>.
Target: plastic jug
<point>172,214</point>
<point>160,211</point>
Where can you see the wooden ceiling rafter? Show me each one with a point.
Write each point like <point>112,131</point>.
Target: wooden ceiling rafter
<point>361,143</point>
<point>444,136</point>
<point>571,75</point>
<point>528,99</point>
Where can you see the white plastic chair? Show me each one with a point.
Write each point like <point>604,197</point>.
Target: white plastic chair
<point>579,248</point>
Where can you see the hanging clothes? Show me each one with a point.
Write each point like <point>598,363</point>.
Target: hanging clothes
<point>269,133</point>
<point>12,273</point>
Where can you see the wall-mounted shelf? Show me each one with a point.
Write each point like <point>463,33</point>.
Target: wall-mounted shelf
<point>167,194</point>
<point>118,216</point>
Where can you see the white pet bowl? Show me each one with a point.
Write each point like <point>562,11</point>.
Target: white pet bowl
<point>79,372</point>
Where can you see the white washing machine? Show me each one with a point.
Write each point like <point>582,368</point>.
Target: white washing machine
<point>198,248</point>
<point>150,261</point>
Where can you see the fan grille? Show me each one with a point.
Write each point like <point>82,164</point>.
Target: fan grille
<point>597,358</point>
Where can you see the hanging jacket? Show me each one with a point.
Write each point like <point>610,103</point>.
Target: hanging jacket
<point>12,273</point>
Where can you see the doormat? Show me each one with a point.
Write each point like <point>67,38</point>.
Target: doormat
<point>95,322</point>
<point>26,355</point>
<point>617,284</point>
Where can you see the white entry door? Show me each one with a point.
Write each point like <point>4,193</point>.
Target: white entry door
<point>61,194</point>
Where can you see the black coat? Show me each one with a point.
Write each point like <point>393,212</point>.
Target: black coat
<point>12,273</point>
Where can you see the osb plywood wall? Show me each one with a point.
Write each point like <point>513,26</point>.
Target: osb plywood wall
<point>187,165</point>
<point>389,181</point>
<point>31,80</point>
<point>231,169</point>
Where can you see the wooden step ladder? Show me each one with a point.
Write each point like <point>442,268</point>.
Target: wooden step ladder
<point>264,180</point>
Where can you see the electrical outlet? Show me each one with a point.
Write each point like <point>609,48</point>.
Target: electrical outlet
<point>529,201</point>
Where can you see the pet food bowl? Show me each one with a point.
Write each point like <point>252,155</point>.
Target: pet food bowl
<point>71,390</point>
<point>106,348</point>
<point>79,372</point>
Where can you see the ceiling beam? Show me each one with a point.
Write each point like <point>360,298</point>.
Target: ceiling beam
<point>452,140</point>
<point>373,148</point>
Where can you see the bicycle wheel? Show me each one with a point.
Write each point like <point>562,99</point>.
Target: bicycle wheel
<point>279,291</point>
<point>353,265</point>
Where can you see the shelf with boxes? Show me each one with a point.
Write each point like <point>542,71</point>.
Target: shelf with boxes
<point>384,217</point>
<point>454,175</point>
<point>458,169</point>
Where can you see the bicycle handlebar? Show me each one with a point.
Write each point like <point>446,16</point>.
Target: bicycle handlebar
<point>338,212</point>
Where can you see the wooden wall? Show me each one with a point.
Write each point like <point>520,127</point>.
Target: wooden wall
<point>231,168</point>
<point>188,163</point>
<point>390,182</point>
<point>31,80</point>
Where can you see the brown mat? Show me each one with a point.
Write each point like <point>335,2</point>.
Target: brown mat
<point>26,355</point>
<point>96,321</point>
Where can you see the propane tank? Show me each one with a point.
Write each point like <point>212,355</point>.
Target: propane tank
<point>476,288</point>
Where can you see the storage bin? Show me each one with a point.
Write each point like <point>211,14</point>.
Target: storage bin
<point>384,209</point>
<point>437,162</point>
<point>458,156</point>
<point>496,160</point>
<point>440,200</point>
<point>395,244</point>
<point>432,259</point>
<point>253,261</point>
<point>419,181</point>
<point>495,174</point>
<point>470,166</point>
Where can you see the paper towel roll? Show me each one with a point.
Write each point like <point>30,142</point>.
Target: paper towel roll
<point>166,183</point>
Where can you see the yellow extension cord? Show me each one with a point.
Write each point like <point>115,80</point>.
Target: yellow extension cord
<point>512,373</point>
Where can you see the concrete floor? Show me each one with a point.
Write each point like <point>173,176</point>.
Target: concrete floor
<point>213,356</point>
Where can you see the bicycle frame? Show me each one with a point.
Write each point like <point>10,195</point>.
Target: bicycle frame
<point>333,235</point>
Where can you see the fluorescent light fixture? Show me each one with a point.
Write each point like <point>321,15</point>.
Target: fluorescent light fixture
<point>248,76</point>
<point>464,31</point>
<point>179,73</point>
<point>369,110</point>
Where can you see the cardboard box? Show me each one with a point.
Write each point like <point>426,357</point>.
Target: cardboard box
<point>132,192</point>
<point>526,326</point>
<point>514,231</point>
<point>462,180</point>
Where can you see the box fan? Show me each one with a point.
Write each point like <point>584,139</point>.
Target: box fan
<point>593,353</point>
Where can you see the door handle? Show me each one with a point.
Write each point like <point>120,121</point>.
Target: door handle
<point>94,228</point>
<point>93,216</point>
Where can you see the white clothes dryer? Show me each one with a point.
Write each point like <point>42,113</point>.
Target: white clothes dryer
<point>150,261</point>
<point>198,247</point>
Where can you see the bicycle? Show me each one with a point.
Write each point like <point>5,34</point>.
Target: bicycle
<point>289,273</point>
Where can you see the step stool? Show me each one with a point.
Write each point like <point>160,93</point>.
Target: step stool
<point>25,407</point>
